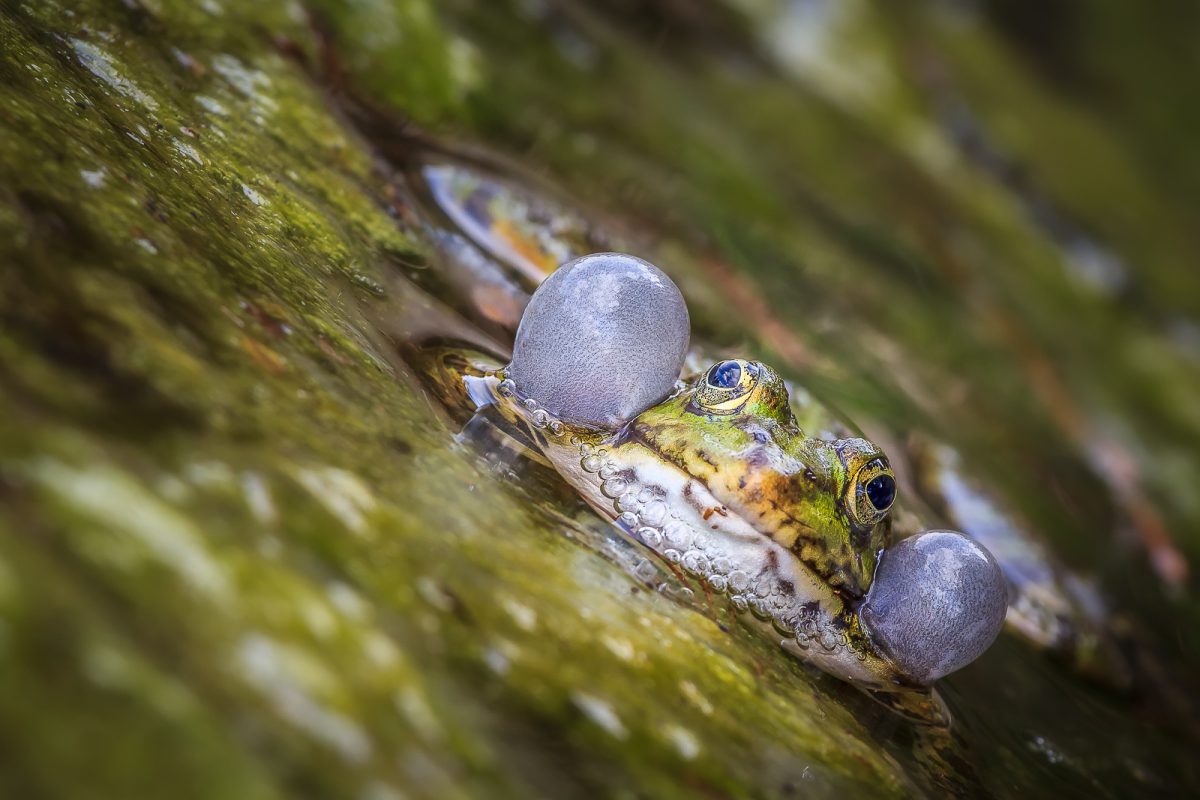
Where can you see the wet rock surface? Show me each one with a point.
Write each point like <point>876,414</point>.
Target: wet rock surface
<point>243,553</point>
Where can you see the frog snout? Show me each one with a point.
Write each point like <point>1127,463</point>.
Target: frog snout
<point>937,603</point>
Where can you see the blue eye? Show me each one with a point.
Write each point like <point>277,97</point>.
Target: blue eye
<point>725,375</point>
<point>881,491</point>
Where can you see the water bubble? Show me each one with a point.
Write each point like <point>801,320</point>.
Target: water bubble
<point>608,471</point>
<point>695,562</point>
<point>739,602</point>
<point>672,555</point>
<point>721,565</point>
<point>678,535</point>
<point>763,587</point>
<point>654,512</point>
<point>627,502</point>
<point>650,537</point>
<point>719,583</point>
<point>739,580</point>
<point>645,570</point>
<point>614,488</point>
<point>628,520</point>
<point>591,463</point>
<point>757,608</point>
<point>541,418</point>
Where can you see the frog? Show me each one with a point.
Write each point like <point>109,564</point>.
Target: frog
<point>714,476</point>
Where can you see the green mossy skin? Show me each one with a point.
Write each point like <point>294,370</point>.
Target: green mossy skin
<point>237,558</point>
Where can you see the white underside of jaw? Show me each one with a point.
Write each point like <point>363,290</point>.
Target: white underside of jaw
<point>678,518</point>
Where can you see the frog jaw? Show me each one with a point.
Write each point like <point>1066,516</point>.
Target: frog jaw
<point>800,502</point>
<point>675,515</point>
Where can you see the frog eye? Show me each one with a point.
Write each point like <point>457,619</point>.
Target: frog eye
<point>872,492</point>
<point>726,386</point>
<point>725,375</point>
<point>881,491</point>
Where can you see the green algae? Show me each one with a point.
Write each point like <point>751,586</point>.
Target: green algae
<point>240,554</point>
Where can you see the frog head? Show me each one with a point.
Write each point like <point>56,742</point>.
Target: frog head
<point>826,501</point>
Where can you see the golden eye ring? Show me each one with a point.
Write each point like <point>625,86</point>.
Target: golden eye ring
<point>872,492</point>
<point>726,386</point>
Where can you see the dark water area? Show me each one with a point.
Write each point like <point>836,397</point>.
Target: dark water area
<point>250,547</point>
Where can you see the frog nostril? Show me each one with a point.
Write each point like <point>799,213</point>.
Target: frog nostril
<point>725,375</point>
<point>881,491</point>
